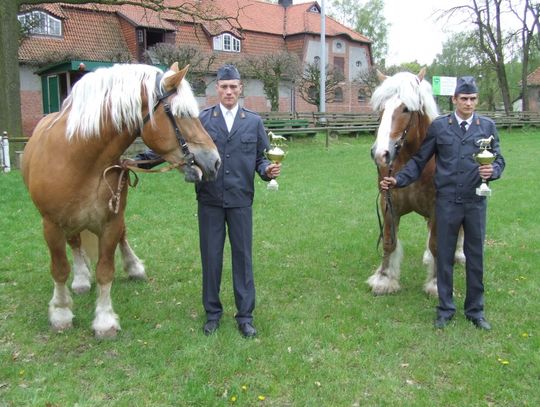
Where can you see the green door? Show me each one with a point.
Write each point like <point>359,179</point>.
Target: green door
<point>54,93</point>
<point>50,92</point>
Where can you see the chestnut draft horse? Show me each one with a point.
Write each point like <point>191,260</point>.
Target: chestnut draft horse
<point>73,158</point>
<point>407,108</point>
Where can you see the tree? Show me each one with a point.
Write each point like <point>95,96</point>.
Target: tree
<point>529,19</point>
<point>309,84</point>
<point>494,35</point>
<point>10,100</point>
<point>369,20</point>
<point>271,70</point>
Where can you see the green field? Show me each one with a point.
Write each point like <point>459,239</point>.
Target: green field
<point>324,339</point>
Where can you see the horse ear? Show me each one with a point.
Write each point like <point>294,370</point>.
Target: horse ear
<point>173,81</point>
<point>421,74</point>
<point>381,76</point>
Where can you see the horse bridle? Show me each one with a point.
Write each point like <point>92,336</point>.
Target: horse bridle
<point>188,155</point>
<point>398,144</point>
<point>126,168</point>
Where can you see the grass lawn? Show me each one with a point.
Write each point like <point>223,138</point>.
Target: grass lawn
<point>324,339</point>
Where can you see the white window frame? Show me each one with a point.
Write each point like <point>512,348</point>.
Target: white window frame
<point>227,42</point>
<point>42,23</point>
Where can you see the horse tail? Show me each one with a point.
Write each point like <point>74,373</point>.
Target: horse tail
<point>89,243</point>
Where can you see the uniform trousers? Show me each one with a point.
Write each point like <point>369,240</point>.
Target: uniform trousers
<point>214,223</point>
<point>450,216</point>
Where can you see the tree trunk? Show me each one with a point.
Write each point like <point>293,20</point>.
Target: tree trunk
<point>10,93</point>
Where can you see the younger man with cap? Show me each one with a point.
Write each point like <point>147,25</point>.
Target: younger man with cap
<point>453,140</point>
<point>225,205</point>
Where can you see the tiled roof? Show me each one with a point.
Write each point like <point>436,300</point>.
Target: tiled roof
<point>101,32</point>
<point>534,77</point>
<point>100,27</point>
<point>142,17</point>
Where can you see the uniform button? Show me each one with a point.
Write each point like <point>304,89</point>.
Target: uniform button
<point>227,172</point>
<point>462,157</point>
<point>463,142</point>
<point>460,185</point>
<point>227,156</point>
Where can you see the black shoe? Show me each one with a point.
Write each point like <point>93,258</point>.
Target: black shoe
<point>480,323</point>
<point>211,326</point>
<point>442,321</point>
<point>247,330</point>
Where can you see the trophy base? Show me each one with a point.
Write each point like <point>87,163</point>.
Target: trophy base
<point>272,185</point>
<point>483,191</point>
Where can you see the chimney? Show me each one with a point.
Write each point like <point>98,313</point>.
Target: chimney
<point>285,3</point>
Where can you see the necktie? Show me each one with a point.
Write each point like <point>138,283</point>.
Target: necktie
<point>229,119</point>
<point>463,126</point>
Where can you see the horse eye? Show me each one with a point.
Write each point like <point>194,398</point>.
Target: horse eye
<point>405,110</point>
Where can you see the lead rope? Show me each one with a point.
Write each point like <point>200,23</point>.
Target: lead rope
<point>126,169</point>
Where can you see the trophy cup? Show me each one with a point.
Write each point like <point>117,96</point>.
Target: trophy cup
<point>276,155</point>
<point>484,157</point>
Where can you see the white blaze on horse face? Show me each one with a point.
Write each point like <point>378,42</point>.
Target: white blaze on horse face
<point>381,149</point>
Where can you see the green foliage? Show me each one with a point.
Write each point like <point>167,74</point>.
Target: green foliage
<point>367,19</point>
<point>324,339</point>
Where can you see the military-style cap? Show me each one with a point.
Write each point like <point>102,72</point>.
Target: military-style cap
<point>227,72</point>
<point>465,85</point>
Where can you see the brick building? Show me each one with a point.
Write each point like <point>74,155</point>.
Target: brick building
<point>67,40</point>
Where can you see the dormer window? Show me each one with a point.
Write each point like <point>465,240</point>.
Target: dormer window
<point>226,42</point>
<point>41,23</point>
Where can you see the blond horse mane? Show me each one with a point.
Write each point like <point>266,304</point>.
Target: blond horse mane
<point>113,96</point>
<point>415,94</point>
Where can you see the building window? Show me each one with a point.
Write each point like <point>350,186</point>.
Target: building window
<point>339,65</point>
<point>338,95</point>
<point>38,22</point>
<point>227,42</point>
<point>140,36</point>
<point>362,95</point>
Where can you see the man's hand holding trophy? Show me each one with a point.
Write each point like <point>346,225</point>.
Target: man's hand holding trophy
<point>276,154</point>
<point>484,157</point>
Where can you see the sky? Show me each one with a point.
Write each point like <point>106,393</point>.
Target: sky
<point>413,33</point>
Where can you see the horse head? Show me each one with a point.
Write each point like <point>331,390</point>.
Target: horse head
<point>407,107</point>
<point>176,132</point>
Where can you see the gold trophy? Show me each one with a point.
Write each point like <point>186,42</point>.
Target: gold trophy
<point>276,154</point>
<point>484,157</point>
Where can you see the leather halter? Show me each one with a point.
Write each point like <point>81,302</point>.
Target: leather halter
<point>388,194</point>
<point>188,156</point>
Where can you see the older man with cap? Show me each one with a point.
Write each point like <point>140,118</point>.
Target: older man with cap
<point>225,205</point>
<point>453,140</point>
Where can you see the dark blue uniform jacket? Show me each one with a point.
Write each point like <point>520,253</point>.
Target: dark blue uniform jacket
<point>242,155</point>
<point>456,174</point>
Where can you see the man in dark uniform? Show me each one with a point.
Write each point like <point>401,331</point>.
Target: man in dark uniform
<point>225,205</point>
<point>453,139</point>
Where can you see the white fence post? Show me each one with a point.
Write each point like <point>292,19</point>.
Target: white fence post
<point>6,164</point>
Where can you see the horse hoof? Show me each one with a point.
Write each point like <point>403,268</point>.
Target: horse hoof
<point>430,288</point>
<point>61,326</point>
<point>80,288</point>
<point>106,334</point>
<point>137,273</point>
<point>382,285</point>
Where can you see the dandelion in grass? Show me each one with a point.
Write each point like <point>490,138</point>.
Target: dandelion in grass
<point>244,387</point>
<point>503,361</point>
<point>233,399</point>
<point>261,397</point>
<point>525,335</point>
